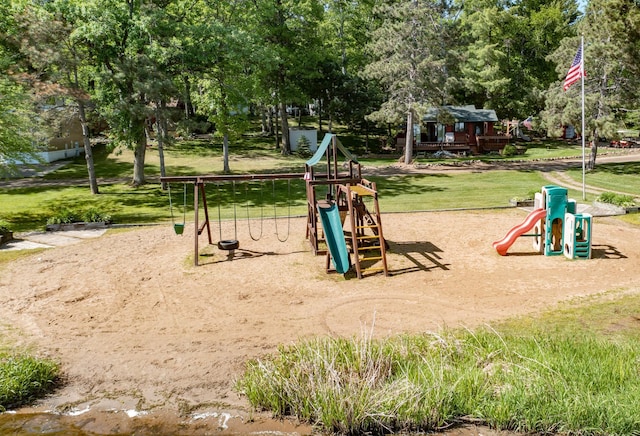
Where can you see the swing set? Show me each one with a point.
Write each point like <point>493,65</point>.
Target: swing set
<point>200,198</point>
<point>332,195</point>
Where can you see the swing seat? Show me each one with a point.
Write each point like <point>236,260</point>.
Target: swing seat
<point>228,244</point>
<point>178,228</point>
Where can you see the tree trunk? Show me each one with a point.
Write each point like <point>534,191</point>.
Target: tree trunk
<point>594,153</point>
<point>263,120</point>
<point>188,105</point>
<point>320,115</point>
<point>139,154</point>
<point>276,127</point>
<point>408,145</point>
<point>88,151</point>
<point>160,135</point>
<point>286,144</point>
<point>225,153</point>
<point>366,136</point>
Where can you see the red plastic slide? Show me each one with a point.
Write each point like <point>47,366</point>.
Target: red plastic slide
<point>529,222</point>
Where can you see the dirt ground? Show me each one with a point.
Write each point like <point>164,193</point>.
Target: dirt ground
<point>140,331</point>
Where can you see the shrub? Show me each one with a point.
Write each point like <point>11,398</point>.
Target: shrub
<point>304,147</point>
<point>4,227</point>
<point>95,215</point>
<point>616,199</point>
<point>63,216</point>
<point>67,216</point>
<point>509,150</point>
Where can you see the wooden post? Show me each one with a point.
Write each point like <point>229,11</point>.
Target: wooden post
<point>195,222</point>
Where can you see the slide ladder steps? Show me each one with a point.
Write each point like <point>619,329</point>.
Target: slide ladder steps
<point>582,249</point>
<point>363,220</point>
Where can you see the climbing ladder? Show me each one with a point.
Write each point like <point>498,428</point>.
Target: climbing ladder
<point>367,240</point>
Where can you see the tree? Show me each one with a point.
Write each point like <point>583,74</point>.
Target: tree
<point>288,34</point>
<point>338,90</point>
<point>504,50</point>
<point>409,62</point>
<point>20,129</point>
<point>57,64</point>
<point>121,36</point>
<point>227,52</point>
<point>612,83</point>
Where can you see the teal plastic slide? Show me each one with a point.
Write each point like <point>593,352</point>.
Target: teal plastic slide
<point>334,235</point>
<point>322,149</point>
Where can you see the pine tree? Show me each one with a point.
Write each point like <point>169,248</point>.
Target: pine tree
<point>409,61</point>
<point>612,82</point>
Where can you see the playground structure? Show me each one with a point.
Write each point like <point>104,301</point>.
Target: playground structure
<point>557,228</point>
<point>200,197</point>
<point>346,195</point>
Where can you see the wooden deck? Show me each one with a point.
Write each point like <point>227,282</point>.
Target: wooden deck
<point>487,144</point>
<point>432,147</point>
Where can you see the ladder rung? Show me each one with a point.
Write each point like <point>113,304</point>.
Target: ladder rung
<point>377,268</point>
<point>371,258</point>
<point>366,227</point>
<point>363,237</point>
<point>369,248</point>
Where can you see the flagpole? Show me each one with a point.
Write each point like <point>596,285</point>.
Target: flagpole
<point>584,194</point>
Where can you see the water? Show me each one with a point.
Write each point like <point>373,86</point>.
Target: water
<point>120,423</point>
<point>92,423</point>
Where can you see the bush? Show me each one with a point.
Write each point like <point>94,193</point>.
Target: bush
<point>304,147</point>
<point>63,216</point>
<point>94,215</point>
<point>67,216</point>
<point>187,128</point>
<point>509,150</point>
<point>616,199</point>
<point>4,227</point>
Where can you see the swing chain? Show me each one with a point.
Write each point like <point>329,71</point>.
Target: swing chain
<point>178,227</point>
<point>246,192</point>
<point>226,244</point>
<point>275,214</point>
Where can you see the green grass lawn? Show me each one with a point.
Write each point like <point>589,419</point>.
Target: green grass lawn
<point>30,208</point>
<point>613,177</point>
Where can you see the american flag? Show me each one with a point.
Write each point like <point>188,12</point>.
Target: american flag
<point>575,72</point>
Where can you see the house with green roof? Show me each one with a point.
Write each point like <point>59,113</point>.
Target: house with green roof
<point>458,129</point>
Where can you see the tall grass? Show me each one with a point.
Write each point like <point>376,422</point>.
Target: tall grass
<point>23,378</point>
<point>541,382</point>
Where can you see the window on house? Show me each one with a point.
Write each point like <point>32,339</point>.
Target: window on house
<point>459,127</point>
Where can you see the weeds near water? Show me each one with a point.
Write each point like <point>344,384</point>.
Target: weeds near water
<point>536,383</point>
<point>24,378</point>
